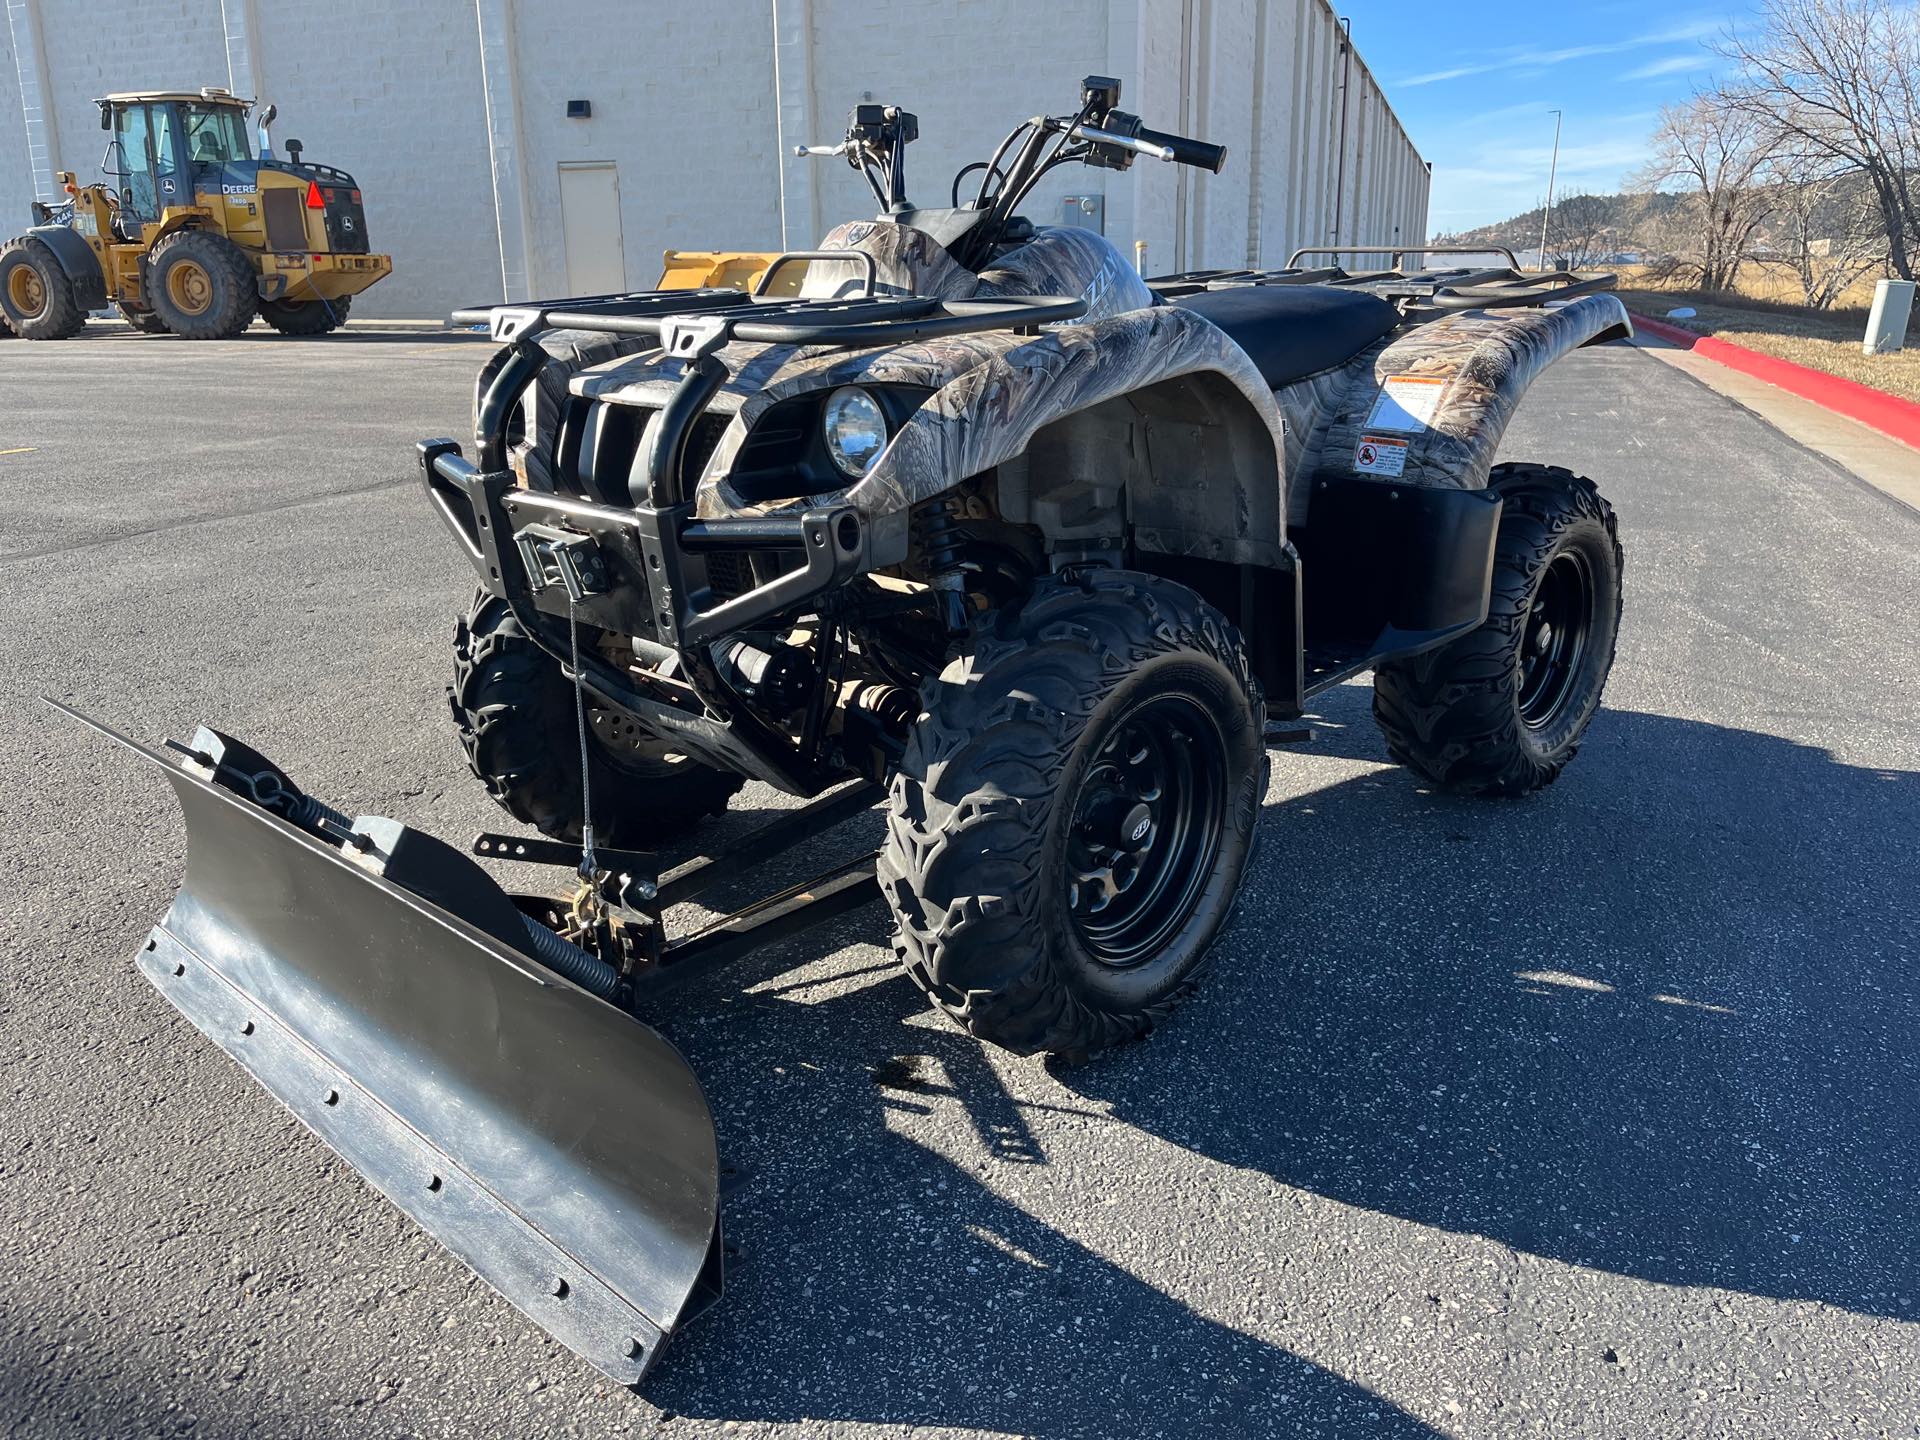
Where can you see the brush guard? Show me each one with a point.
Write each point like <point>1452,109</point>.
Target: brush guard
<point>420,1021</point>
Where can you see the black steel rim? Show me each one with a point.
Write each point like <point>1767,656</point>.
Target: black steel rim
<point>1146,826</point>
<point>1555,639</point>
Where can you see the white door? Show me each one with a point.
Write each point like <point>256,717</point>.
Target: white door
<point>590,219</point>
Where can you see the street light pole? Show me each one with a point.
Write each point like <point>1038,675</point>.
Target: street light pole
<point>1552,171</point>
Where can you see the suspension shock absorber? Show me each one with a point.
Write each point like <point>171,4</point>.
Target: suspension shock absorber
<point>937,533</point>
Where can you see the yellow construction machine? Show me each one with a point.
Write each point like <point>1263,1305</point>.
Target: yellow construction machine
<point>191,233</point>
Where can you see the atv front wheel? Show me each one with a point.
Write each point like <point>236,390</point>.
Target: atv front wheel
<point>306,317</point>
<point>35,295</point>
<point>202,286</point>
<point>514,708</point>
<point>1067,830</point>
<point>1502,710</point>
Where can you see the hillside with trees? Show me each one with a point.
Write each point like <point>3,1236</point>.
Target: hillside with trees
<point>1806,160</point>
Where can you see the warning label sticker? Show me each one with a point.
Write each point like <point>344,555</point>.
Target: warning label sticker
<point>1380,455</point>
<point>1406,402</point>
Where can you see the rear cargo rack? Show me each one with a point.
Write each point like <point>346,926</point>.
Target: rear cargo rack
<point>1424,294</point>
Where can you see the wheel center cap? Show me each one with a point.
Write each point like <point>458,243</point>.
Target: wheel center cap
<point>1136,826</point>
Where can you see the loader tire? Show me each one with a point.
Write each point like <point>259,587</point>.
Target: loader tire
<point>514,709</point>
<point>36,297</point>
<point>145,321</point>
<point>1069,824</point>
<point>306,317</point>
<point>202,285</point>
<point>1502,710</point>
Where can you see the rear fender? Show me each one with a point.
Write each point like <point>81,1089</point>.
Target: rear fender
<point>1470,370</point>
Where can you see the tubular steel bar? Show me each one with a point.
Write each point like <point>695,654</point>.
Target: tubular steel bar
<point>845,887</point>
<point>697,876</point>
<point>1399,252</point>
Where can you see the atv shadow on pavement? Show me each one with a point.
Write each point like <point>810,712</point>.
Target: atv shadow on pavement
<point>872,1279</point>
<point>1674,1053</point>
<point>1657,1020</point>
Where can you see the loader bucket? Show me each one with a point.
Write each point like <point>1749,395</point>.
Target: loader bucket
<point>381,986</point>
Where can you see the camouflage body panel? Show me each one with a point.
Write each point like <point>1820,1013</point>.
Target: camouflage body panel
<point>1486,359</point>
<point>993,391</point>
<point>906,261</point>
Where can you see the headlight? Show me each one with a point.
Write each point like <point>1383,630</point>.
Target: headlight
<point>855,429</point>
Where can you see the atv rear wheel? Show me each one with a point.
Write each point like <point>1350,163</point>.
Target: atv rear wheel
<point>35,295</point>
<point>145,321</point>
<point>202,286</point>
<point>306,317</point>
<point>1067,831</point>
<point>1502,710</point>
<point>514,708</point>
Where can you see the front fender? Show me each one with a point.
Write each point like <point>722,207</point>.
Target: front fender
<point>77,259</point>
<point>991,393</point>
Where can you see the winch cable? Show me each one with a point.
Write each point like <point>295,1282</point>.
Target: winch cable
<point>589,866</point>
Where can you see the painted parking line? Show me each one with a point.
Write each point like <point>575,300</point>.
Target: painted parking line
<point>23,450</point>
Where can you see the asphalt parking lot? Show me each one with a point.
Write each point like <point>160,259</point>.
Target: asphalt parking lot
<point>1596,1114</point>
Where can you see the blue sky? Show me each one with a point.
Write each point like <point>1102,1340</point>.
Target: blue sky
<point>1480,110</point>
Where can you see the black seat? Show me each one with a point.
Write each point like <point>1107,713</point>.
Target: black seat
<point>1295,330</point>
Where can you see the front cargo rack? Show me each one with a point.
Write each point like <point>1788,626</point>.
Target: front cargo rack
<point>688,322</point>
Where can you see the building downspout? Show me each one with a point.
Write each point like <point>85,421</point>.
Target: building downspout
<point>240,24</point>
<point>794,112</point>
<point>494,19</point>
<point>30,69</point>
<point>1256,220</point>
<point>1186,128</point>
<point>1340,152</point>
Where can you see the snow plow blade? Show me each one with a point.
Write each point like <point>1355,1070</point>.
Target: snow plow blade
<point>383,987</point>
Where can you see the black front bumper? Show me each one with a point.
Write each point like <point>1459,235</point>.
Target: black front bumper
<point>641,572</point>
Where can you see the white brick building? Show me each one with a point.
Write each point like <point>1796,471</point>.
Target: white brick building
<point>452,114</point>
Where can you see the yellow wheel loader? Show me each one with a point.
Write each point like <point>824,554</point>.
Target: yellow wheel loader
<point>190,233</point>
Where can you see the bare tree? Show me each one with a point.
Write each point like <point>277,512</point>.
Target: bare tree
<point>1583,231</point>
<point>1842,78</point>
<point>1827,224</point>
<point>1714,153</point>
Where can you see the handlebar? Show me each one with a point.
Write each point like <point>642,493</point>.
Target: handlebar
<point>1148,148</point>
<point>1197,153</point>
<point>1118,130</point>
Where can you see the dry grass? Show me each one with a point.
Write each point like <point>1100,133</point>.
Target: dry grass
<point>1776,284</point>
<point>1827,341</point>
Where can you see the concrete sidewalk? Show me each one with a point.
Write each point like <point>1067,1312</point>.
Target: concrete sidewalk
<point>1878,459</point>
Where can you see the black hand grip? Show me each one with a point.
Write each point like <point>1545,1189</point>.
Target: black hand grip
<point>1188,152</point>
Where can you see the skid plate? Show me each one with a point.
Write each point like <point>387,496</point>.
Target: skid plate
<point>556,1145</point>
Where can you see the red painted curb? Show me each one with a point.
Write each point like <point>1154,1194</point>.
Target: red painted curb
<point>1888,414</point>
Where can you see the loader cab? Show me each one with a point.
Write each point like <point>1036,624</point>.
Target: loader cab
<point>168,147</point>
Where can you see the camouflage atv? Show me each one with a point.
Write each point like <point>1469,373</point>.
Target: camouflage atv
<point>983,523</point>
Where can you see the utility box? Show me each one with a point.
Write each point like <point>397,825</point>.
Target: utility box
<point>1887,321</point>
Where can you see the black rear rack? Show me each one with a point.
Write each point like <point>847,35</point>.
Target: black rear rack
<point>1420,294</point>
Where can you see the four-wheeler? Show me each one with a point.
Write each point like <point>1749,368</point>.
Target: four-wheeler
<point>191,233</point>
<point>981,523</point>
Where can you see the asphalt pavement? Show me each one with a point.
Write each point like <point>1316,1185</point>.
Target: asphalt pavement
<point>1594,1114</point>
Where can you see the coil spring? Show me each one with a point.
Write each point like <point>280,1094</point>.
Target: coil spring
<point>938,536</point>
